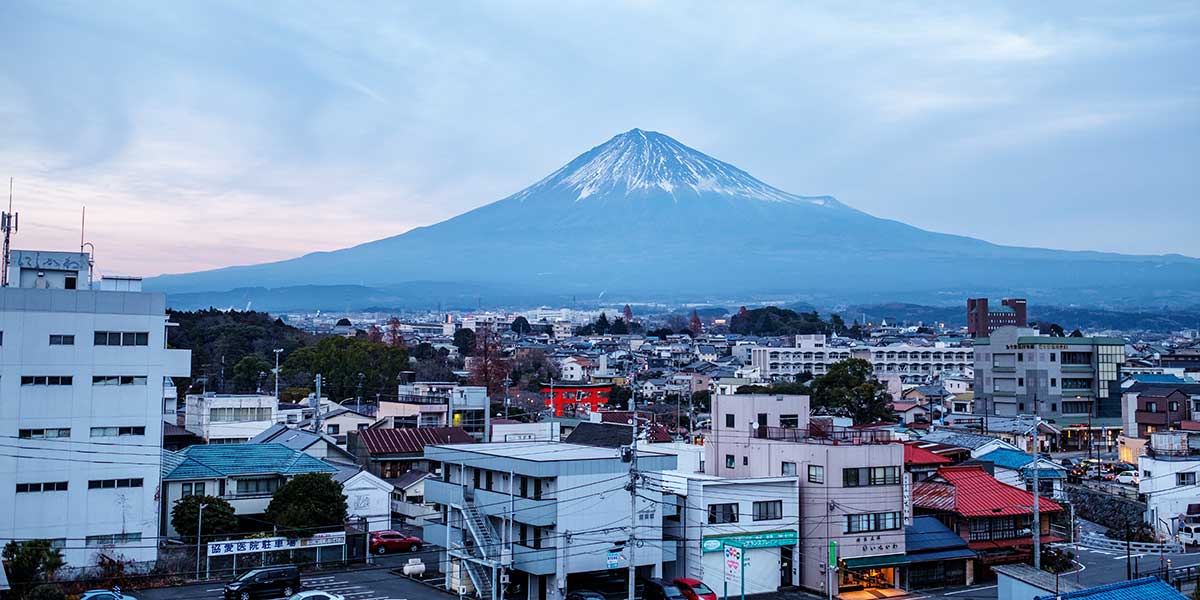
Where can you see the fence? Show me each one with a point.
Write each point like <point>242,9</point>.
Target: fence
<point>1100,542</point>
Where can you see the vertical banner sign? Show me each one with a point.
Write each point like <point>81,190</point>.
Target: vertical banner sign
<point>733,564</point>
<point>908,511</point>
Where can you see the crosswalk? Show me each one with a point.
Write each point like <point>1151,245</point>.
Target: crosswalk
<point>334,585</point>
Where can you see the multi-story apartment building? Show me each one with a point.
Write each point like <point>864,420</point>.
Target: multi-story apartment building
<point>982,320</point>
<point>550,513</point>
<point>440,404</point>
<point>229,418</point>
<point>1019,372</point>
<point>813,354</point>
<point>1170,473</point>
<point>851,485</point>
<point>81,373</point>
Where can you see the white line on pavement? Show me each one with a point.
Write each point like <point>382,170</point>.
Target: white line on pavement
<point>1130,556</point>
<point>973,589</point>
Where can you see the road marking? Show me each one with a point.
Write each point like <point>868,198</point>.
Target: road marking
<point>971,589</point>
<point>1130,556</point>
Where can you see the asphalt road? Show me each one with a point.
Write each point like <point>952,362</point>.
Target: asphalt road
<point>374,582</point>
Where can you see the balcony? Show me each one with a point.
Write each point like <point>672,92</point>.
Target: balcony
<point>540,513</point>
<point>1077,368</point>
<point>1145,417</point>
<point>820,435</point>
<point>536,561</point>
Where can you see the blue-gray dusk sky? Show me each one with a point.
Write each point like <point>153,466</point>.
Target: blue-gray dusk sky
<point>206,134</point>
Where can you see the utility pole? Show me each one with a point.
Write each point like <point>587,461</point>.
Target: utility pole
<point>8,224</point>
<point>199,537</point>
<point>278,351</point>
<point>633,477</point>
<point>1037,516</point>
<point>316,403</point>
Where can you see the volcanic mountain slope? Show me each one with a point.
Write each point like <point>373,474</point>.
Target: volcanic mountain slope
<point>643,214</point>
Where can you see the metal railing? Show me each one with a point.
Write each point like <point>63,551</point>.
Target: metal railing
<point>821,435</point>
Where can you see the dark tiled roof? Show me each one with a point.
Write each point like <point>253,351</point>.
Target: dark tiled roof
<point>411,440</point>
<point>407,480</point>
<point>171,429</point>
<point>927,533</point>
<point>604,435</point>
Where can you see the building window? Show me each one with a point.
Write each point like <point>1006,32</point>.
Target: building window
<point>1053,380</point>
<point>788,468</point>
<point>238,415</point>
<point>872,522</point>
<point>332,429</point>
<point>61,340</point>
<point>40,434</point>
<point>729,461</point>
<point>1152,407</point>
<point>1020,357</point>
<point>113,539</point>
<point>864,476</point>
<point>118,431</point>
<point>190,489</point>
<point>816,474</point>
<point>262,486</point>
<point>118,380</point>
<point>1185,478</point>
<point>745,461</point>
<point>1172,406</point>
<point>729,421</point>
<point>1053,357</point>
<point>768,510</point>
<point>46,380</point>
<point>1020,381</point>
<point>104,484</point>
<point>33,488</point>
<point>1021,406</point>
<point>722,513</point>
<point>122,338</point>
<point>790,421</point>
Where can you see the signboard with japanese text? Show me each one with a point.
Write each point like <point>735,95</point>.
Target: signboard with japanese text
<point>766,539</point>
<point>273,544</point>
<point>733,564</point>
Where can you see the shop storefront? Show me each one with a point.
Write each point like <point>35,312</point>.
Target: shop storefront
<point>767,560</point>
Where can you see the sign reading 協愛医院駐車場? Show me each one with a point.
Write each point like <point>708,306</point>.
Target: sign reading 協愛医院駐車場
<point>765,539</point>
<point>274,543</point>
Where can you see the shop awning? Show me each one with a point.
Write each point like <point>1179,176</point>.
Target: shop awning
<point>874,562</point>
<point>952,554</point>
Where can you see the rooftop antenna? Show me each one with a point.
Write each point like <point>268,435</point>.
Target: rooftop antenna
<point>8,224</point>
<point>82,244</point>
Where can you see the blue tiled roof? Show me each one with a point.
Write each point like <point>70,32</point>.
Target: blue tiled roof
<point>1045,473</point>
<point>927,533</point>
<point>1013,459</point>
<point>224,460</point>
<point>1146,588</point>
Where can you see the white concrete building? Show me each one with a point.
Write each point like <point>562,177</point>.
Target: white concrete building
<point>81,377</point>
<point>813,354</point>
<point>229,418</point>
<point>1170,472</point>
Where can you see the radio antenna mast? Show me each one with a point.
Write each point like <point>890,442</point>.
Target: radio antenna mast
<point>8,224</point>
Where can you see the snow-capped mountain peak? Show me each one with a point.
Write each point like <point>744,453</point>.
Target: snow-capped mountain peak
<point>639,161</point>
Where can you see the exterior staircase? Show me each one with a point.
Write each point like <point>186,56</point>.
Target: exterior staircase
<point>485,547</point>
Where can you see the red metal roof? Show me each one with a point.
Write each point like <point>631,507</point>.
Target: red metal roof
<point>411,440</point>
<point>916,455</point>
<point>971,492</point>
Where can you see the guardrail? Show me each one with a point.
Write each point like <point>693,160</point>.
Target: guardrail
<point>1101,542</point>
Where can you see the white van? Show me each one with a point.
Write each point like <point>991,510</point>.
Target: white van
<point>1189,534</point>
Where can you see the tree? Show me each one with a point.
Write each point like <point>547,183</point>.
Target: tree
<point>660,333</point>
<point>695,325</point>
<point>772,320</point>
<point>464,340</point>
<point>627,312</point>
<point>30,563</point>
<point>339,360</point>
<point>46,591</point>
<point>248,374</point>
<point>837,324</point>
<point>701,400</point>
<point>307,504</point>
<point>531,368</point>
<point>850,386</point>
<point>489,367</point>
<point>424,351</point>
<point>619,327</point>
<point>217,338</point>
<point>1077,334</point>
<point>375,334</point>
<point>219,516</point>
<point>601,325</point>
<point>618,398</point>
<point>521,326</point>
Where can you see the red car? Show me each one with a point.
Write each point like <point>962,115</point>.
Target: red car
<point>383,542</point>
<point>694,589</point>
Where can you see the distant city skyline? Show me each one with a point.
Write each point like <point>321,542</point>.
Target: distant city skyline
<point>202,135</point>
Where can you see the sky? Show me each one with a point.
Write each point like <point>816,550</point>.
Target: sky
<point>208,134</point>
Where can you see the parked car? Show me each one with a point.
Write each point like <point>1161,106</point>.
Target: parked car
<point>1128,477</point>
<point>585,595</point>
<point>267,582</point>
<point>661,589</point>
<point>1189,534</point>
<point>105,595</point>
<point>694,589</point>
<point>317,595</point>
<point>383,542</point>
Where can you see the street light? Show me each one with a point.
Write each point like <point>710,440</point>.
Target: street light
<point>278,351</point>
<point>199,529</point>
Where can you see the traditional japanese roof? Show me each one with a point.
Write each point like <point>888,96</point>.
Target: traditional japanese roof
<point>928,539</point>
<point>914,454</point>
<point>227,460</point>
<point>972,492</point>
<point>408,479</point>
<point>410,440</point>
<point>1146,588</point>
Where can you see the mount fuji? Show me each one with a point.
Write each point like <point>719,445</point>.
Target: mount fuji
<point>645,216</point>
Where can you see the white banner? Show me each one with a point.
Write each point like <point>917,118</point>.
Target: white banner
<point>733,564</point>
<point>274,543</point>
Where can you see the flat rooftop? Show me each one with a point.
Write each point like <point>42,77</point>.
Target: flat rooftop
<point>544,451</point>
